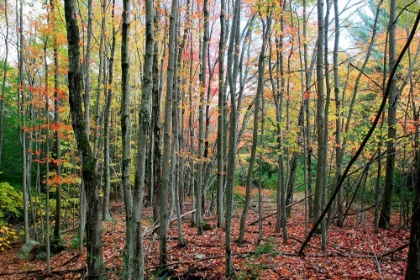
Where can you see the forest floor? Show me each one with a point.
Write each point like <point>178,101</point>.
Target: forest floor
<point>354,251</point>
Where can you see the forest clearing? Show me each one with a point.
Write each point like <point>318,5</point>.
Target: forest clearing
<point>354,251</point>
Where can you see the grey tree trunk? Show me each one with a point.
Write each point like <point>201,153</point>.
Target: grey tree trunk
<point>126,143</point>
<point>47,160</point>
<point>260,89</point>
<point>88,77</point>
<point>200,181</point>
<point>178,182</point>
<point>220,118</point>
<point>232,74</point>
<point>3,86</point>
<point>90,178</point>
<point>100,84</point>
<point>321,169</point>
<point>324,227</point>
<point>261,158</point>
<point>385,216</point>
<point>279,99</point>
<point>166,170</point>
<point>106,214</point>
<point>143,136</point>
<point>338,114</point>
<point>21,114</point>
<point>57,103</point>
<point>308,149</point>
<point>413,262</point>
<point>156,126</point>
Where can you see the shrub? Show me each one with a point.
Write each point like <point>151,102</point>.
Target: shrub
<point>11,203</point>
<point>7,236</point>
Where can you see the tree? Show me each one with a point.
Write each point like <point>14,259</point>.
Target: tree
<point>106,215</point>
<point>260,89</point>
<point>3,86</point>
<point>22,119</point>
<point>321,167</point>
<point>126,142</point>
<point>143,136</point>
<point>385,215</point>
<point>90,177</point>
<point>203,55</point>
<point>57,139</point>
<point>221,118</point>
<point>163,217</point>
<point>232,74</point>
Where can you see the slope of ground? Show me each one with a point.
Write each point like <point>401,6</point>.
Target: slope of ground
<point>353,252</point>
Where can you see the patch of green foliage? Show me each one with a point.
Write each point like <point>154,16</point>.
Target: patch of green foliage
<point>75,243</point>
<point>268,247</point>
<point>253,272</point>
<point>11,203</point>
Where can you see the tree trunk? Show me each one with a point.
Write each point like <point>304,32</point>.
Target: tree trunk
<point>106,214</point>
<point>143,136</point>
<point>324,227</point>
<point>385,216</point>
<point>126,142</point>
<point>232,74</point>
<point>47,159</point>
<point>166,170</point>
<point>87,62</point>
<point>100,85</point>
<point>3,86</point>
<point>338,114</point>
<point>22,123</point>
<point>203,74</point>
<point>90,178</point>
<point>156,126</point>
<point>57,103</point>
<point>220,118</point>
<point>260,89</point>
<point>321,172</point>
<point>413,262</point>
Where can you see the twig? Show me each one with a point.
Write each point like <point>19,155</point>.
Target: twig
<point>272,214</point>
<point>173,219</point>
<point>391,252</point>
<point>197,260</point>
<point>71,259</point>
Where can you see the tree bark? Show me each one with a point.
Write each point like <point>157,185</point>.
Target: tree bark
<point>156,126</point>
<point>260,89</point>
<point>90,178</point>
<point>57,103</point>
<point>163,233</point>
<point>143,136</point>
<point>232,74</point>
<point>385,215</point>
<point>220,118</point>
<point>321,168</point>
<point>106,214</point>
<point>126,142</point>
<point>3,86</point>
<point>22,122</point>
<point>203,75</point>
